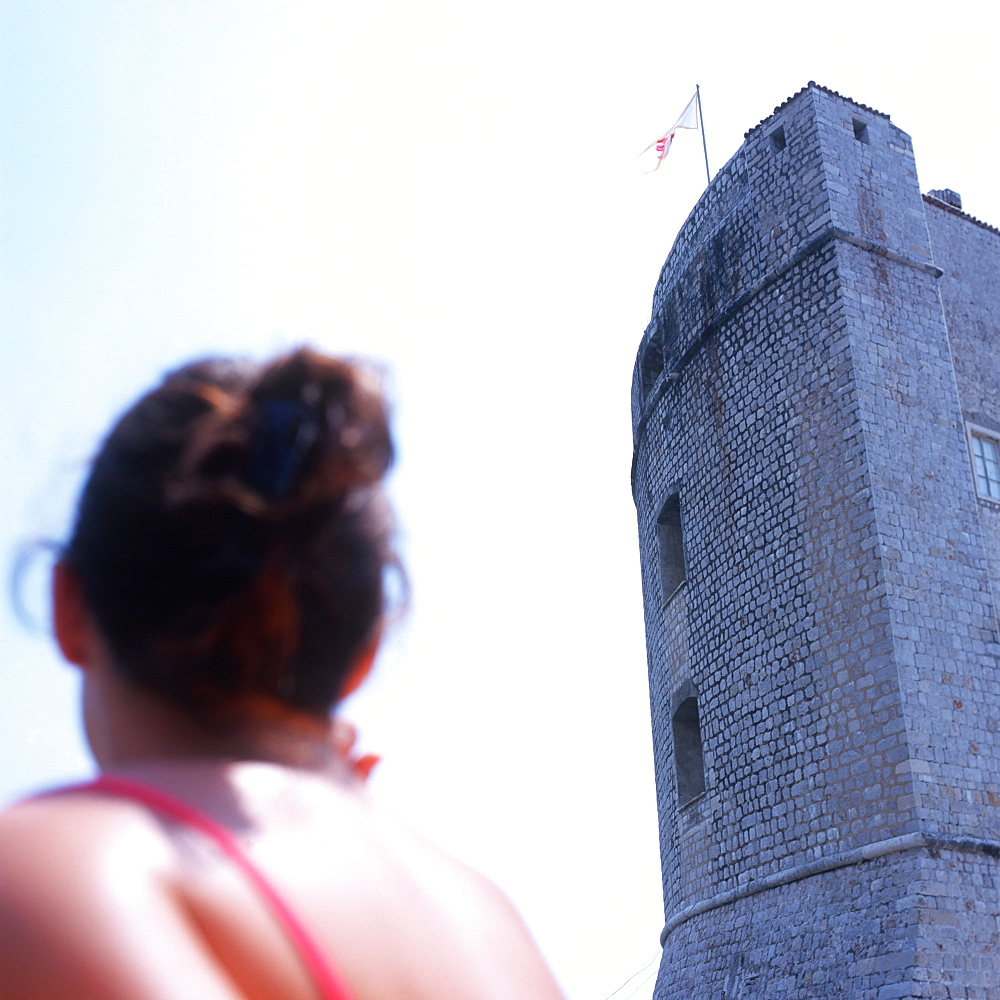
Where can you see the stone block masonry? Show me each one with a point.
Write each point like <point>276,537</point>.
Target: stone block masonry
<point>822,345</point>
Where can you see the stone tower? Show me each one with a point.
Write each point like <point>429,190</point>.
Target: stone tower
<point>816,414</point>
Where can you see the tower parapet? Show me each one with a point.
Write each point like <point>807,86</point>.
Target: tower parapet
<point>819,572</point>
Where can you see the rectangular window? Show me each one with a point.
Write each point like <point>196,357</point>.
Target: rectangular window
<point>689,761</point>
<point>984,447</point>
<point>671,547</point>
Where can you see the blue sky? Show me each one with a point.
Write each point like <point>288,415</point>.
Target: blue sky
<point>455,190</point>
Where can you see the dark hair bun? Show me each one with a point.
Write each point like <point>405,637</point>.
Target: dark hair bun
<point>233,535</point>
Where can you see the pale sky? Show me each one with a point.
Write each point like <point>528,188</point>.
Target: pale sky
<point>455,190</point>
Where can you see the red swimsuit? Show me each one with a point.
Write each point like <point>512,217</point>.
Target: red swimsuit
<point>328,982</point>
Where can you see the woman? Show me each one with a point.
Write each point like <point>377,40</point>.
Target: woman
<point>221,591</point>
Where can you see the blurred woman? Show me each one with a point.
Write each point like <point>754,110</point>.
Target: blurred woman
<point>222,590</point>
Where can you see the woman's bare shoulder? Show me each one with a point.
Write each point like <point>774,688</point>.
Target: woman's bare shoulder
<point>457,925</point>
<point>68,834</point>
<point>87,908</point>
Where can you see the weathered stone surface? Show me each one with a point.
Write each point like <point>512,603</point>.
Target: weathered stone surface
<point>821,337</point>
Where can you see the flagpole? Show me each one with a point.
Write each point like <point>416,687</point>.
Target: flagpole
<point>701,121</point>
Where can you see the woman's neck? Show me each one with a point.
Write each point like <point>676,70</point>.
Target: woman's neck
<point>127,726</point>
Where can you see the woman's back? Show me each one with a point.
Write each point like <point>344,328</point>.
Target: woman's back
<point>105,897</point>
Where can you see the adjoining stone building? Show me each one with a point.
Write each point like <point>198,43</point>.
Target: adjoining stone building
<point>816,410</point>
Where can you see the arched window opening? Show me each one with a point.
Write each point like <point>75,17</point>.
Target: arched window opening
<point>671,547</point>
<point>688,758</point>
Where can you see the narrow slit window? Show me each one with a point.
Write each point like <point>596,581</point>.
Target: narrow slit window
<point>689,760</point>
<point>985,449</point>
<point>860,131</point>
<point>651,364</point>
<point>670,542</point>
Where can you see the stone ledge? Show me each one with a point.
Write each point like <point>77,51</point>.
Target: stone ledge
<point>869,852</point>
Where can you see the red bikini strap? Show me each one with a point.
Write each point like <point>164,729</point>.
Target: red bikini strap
<point>331,986</point>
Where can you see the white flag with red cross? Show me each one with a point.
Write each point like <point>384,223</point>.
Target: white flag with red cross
<point>689,118</point>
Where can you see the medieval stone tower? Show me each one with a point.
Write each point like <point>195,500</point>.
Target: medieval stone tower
<point>817,477</point>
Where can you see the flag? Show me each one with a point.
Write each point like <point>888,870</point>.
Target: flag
<point>689,119</point>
